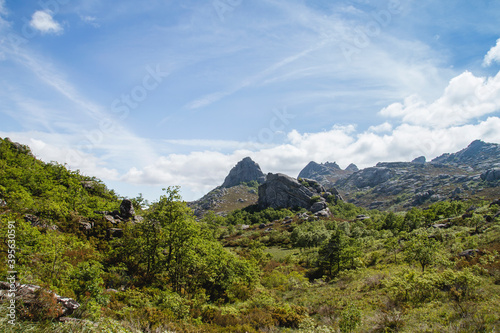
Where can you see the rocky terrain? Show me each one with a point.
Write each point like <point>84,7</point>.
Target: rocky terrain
<point>326,173</point>
<point>473,172</point>
<point>239,190</point>
<point>282,191</point>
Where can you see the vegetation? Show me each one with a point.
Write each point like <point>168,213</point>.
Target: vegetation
<point>250,271</point>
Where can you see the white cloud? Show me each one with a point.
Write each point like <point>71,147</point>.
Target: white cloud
<point>426,129</point>
<point>44,22</point>
<point>467,97</point>
<point>385,127</point>
<point>202,171</point>
<point>47,147</point>
<point>492,55</point>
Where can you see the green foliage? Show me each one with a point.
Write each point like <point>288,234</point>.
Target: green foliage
<point>310,234</point>
<point>253,215</point>
<point>422,249</point>
<point>350,318</point>
<point>49,190</point>
<point>338,253</point>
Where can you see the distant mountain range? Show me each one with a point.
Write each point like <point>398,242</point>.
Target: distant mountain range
<point>473,172</point>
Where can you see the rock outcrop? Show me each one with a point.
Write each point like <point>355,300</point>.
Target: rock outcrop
<point>352,168</point>
<point>244,172</point>
<point>326,173</point>
<point>282,191</point>
<point>478,155</point>
<point>419,160</point>
<point>491,175</point>
<point>28,293</point>
<point>371,176</point>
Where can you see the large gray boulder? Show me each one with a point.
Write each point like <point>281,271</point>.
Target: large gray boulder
<point>282,191</point>
<point>127,209</point>
<point>245,171</point>
<point>371,176</point>
<point>491,175</point>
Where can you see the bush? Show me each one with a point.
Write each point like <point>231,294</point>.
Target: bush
<point>350,318</point>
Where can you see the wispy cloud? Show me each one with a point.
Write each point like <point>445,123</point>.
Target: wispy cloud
<point>3,10</point>
<point>43,21</point>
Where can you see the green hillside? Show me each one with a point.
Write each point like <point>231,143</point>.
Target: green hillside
<point>252,270</point>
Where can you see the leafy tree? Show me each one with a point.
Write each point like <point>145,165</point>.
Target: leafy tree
<point>339,252</point>
<point>393,222</point>
<point>422,249</point>
<point>310,234</point>
<point>414,219</point>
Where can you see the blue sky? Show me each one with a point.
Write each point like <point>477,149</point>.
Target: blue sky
<point>158,93</point>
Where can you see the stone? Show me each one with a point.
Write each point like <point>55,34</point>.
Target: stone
<point>468,253</point>
<point>85,226</point>
<point>126,209</point>
<point>115,233</point>
<point>491,175</point>
<point>323,213</point>
<point>318,206</point>
<point>282,191</point>
<point>27,294</point>
<point>419,160</point>
<point>441,225</point>
<point>371,177</point>
<point>35,221</point>
<point>111,219</point>
<point>352,167</point>
<point>245,171</point>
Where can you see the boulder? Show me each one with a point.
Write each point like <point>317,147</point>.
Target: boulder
<point>419,160</point>
<point>245,171</point>
<point>115,233</point>
<point>27,293</point>
<point>35,221</point>
<point>85,226</point>
<point>441,225</point>
<point>323,213</point>
<point>496,202</point>
<point>468,253</point>
<point>318,206</point>
<point>371,177</point>
<point>282,191</point>
<point>491,175</point>
<point>127,209</point>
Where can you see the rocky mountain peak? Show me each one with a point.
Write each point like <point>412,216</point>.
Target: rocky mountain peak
<point>478,155</point>
<point>352,167</point>
<point>326,172</point>
<point>245,171</point>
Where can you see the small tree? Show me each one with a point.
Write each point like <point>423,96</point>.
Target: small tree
<point>339,252</point>
<point>422,249</point>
